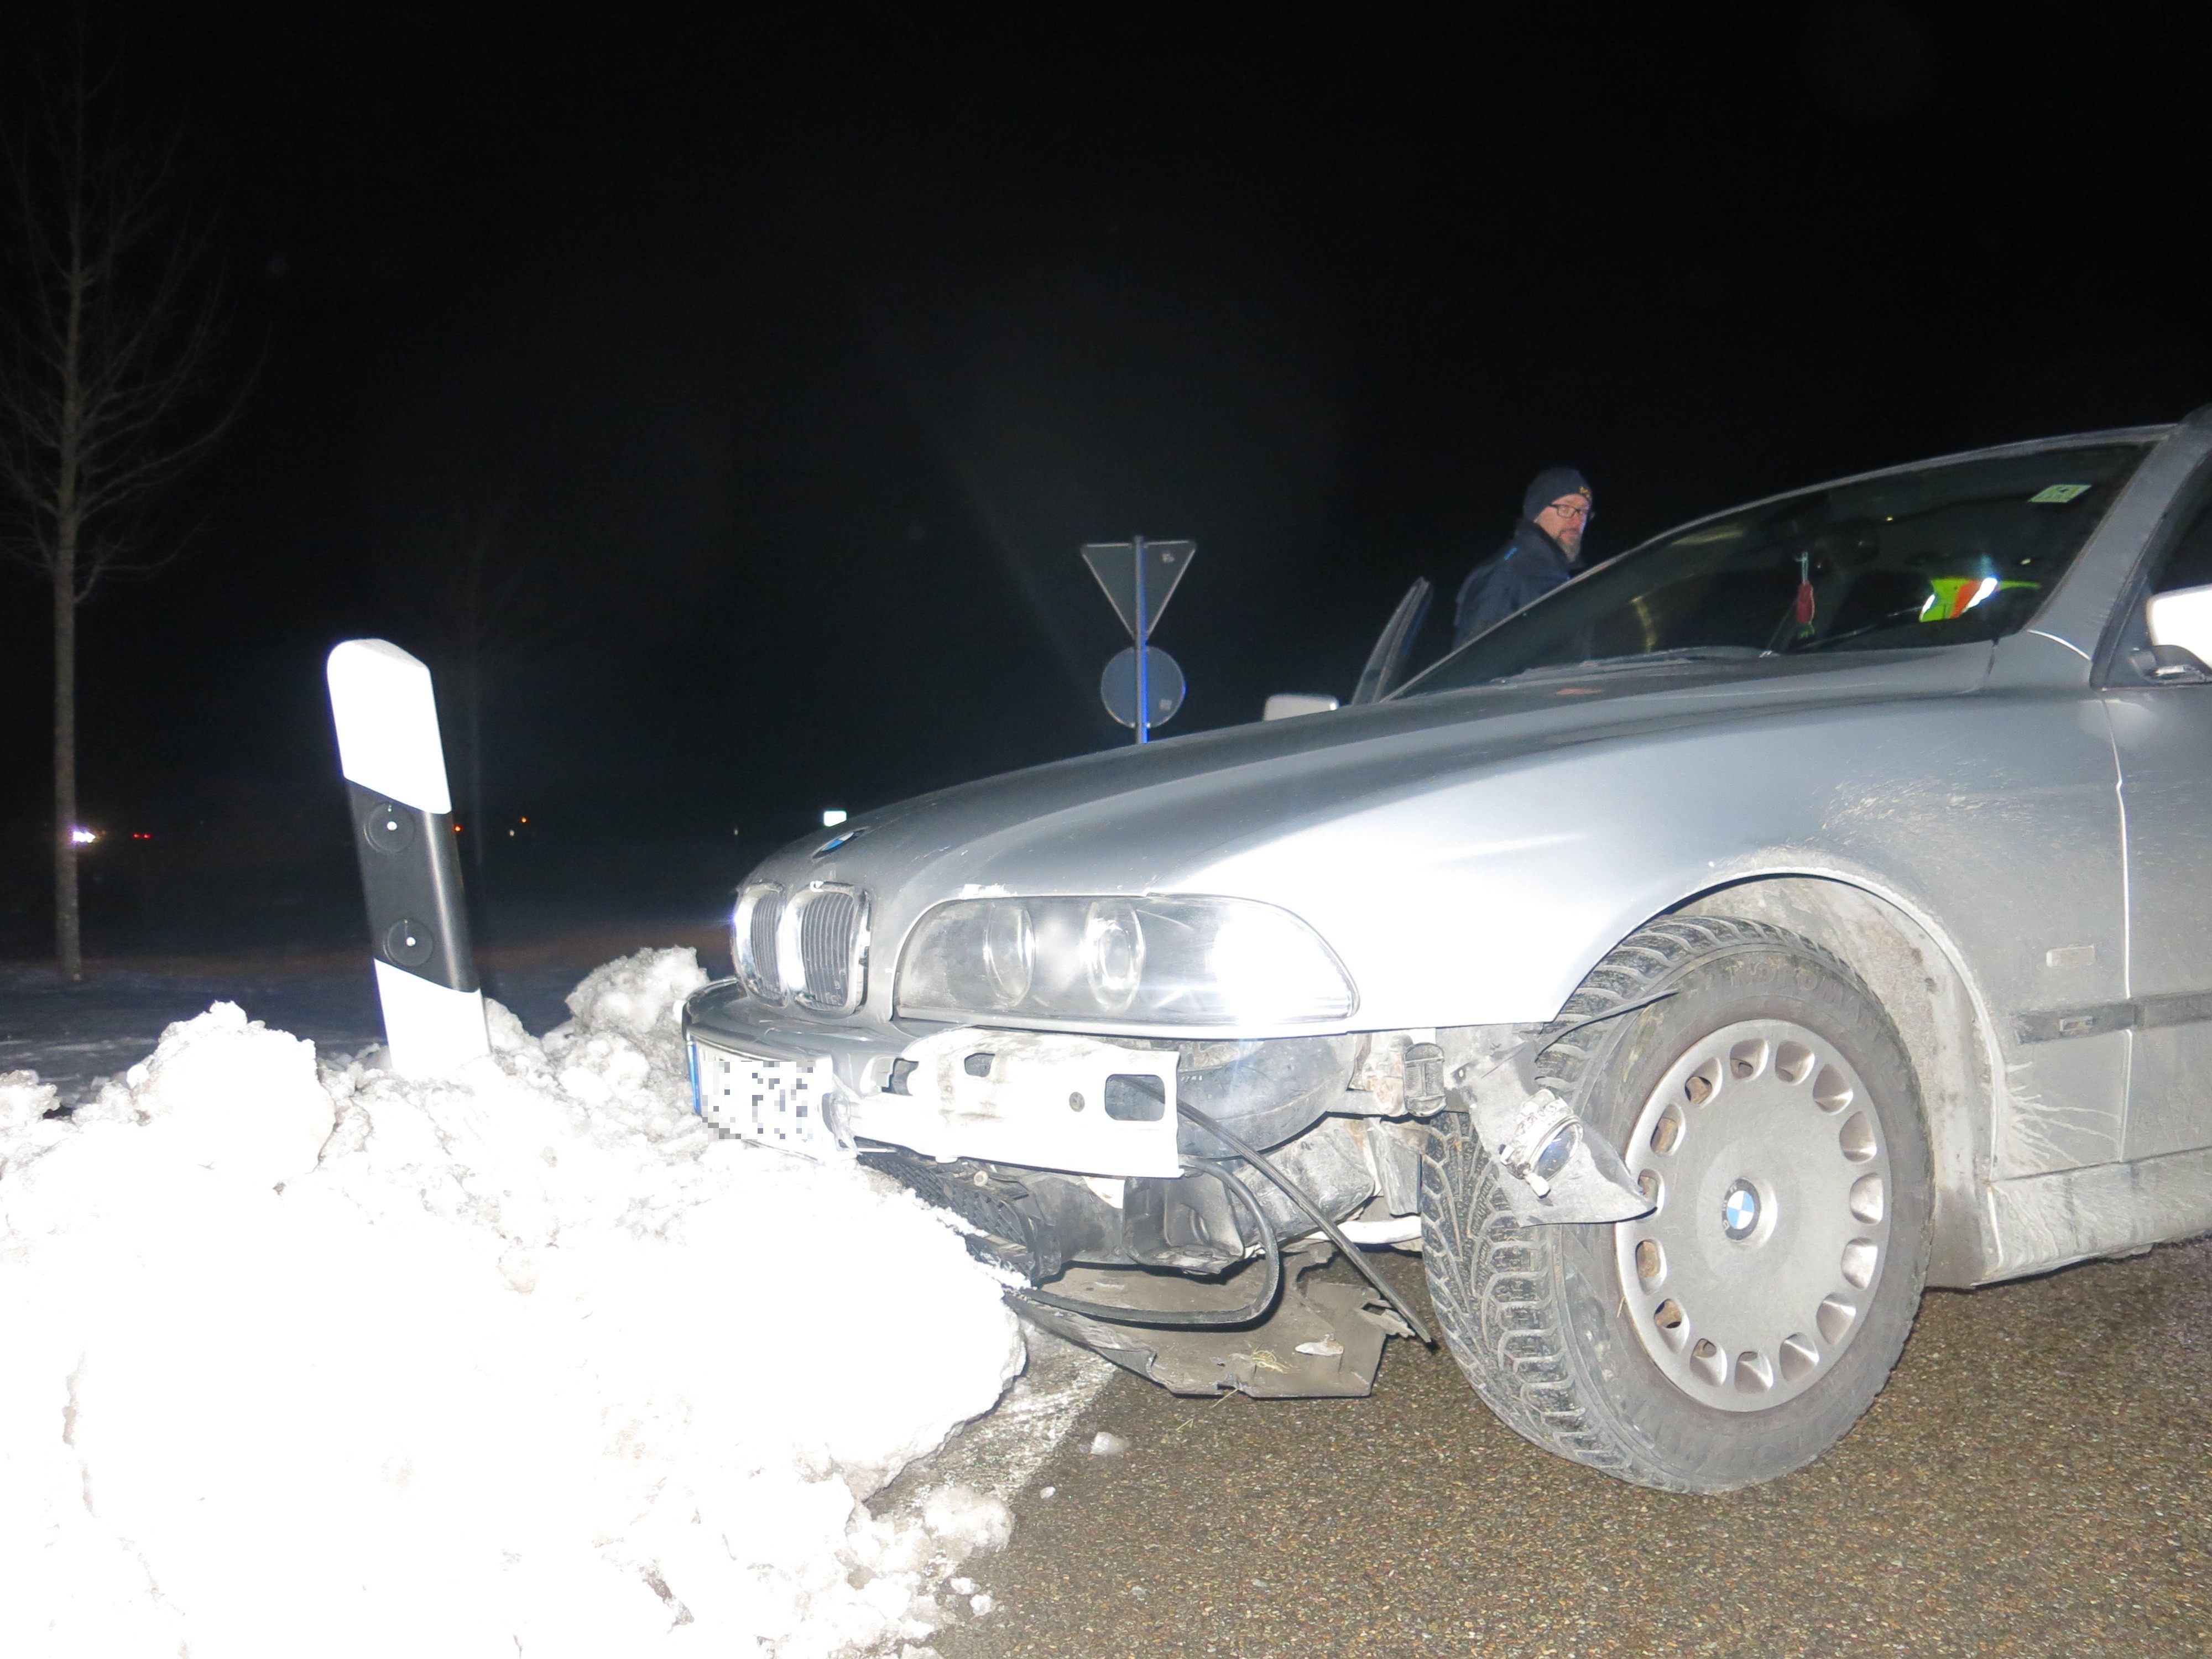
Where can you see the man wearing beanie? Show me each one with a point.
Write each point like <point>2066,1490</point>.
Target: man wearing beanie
<point>1545,551</point>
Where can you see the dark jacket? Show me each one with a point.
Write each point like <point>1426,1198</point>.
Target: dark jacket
<point>1525,569</point>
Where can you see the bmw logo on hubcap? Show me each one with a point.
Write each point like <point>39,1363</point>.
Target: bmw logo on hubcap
<point>1739,1210</point>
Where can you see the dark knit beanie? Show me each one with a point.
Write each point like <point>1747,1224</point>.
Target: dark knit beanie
<point>1550,484</point>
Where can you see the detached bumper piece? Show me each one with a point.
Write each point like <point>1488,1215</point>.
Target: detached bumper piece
<point>1324,1342</point>
<point>1258,1326</point>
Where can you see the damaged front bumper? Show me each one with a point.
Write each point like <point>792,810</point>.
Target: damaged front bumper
<point>1067,1155</point>
<point>1095,1107</point>
<point>1042,1100</point>
<point>1075,1104</point>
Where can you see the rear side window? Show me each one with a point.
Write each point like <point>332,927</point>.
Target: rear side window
<point>1941,555</point>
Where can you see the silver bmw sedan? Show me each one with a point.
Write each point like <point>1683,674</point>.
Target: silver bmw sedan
<point>1809,905</point>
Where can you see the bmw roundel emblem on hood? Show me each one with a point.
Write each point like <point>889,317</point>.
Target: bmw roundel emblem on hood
<point>837,841</point>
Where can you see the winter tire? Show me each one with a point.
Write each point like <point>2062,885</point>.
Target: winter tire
<point>1741,1329</point>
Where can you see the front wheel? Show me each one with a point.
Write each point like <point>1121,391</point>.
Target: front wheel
<point>1768,1111</point>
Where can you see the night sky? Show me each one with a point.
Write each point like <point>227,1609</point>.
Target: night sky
<point>791,355</point>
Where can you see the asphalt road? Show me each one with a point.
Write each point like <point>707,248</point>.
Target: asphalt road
<point>2035,1480</point>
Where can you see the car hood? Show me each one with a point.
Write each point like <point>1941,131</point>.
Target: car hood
<point>1162,816</point>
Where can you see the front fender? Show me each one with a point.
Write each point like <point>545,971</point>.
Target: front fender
<point>1487,902</point>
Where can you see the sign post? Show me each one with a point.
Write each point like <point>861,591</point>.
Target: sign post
<point>1141,577</point>
<point>386,717</point>
<point>1144,628</point>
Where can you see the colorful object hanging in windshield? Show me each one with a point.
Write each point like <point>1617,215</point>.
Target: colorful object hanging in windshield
<point>1955,596</point>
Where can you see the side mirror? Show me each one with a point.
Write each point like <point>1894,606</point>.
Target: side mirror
<point>2180,625</point>
<point>1284,704</point>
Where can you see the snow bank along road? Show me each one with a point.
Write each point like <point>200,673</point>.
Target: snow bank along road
<point>305,1359</point>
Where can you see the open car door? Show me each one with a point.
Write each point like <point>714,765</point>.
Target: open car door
<point>1386,663</point>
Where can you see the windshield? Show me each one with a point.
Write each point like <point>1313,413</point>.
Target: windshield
<point>1941,555</point>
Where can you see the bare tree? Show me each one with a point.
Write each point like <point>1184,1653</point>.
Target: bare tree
<point>484,607</point>
<point>471,467</point>
<point>106,360</point>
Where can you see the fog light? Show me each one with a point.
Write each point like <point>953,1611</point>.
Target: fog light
<point>1557,1151</point>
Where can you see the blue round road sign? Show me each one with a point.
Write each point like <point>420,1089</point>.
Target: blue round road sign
<point>1117,686</point>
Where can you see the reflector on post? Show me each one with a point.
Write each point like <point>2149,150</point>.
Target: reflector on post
<point>387,716</point>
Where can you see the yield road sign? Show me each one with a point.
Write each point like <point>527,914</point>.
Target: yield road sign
<point>1115,564</point>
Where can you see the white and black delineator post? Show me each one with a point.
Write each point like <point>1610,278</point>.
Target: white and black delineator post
<point>410,871</point>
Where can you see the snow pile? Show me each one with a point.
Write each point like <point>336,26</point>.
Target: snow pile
<point>530,1361</point>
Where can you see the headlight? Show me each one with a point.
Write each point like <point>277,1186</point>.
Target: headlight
<point>1197,962</point>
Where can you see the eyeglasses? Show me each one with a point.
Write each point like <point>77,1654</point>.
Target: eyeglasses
<point>1572,507</point>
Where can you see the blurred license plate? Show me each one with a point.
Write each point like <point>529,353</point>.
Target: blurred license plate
<point>778,1102</point>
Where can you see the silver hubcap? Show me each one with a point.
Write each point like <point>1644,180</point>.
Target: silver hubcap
<point>1771,1178</point>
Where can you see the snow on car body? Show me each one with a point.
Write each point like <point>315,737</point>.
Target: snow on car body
<point>1833,869</point>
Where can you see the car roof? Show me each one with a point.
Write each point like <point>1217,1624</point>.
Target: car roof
<point>2141,434</point>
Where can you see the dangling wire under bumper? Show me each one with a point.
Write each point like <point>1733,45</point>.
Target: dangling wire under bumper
<point>1297,1195</point>
<point>1262,1305</point>
<point>1197,1318</point>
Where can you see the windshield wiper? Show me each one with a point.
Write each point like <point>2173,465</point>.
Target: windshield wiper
<point>1902,614</point>
<point>1642,659</point>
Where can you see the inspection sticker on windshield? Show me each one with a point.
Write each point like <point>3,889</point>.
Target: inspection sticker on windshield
<point>2054,493</point>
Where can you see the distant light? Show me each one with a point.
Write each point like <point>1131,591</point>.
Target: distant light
<point>81,837</point>
<point>526,820</point>
<point>140,835</point>
<point>457,828</point>
<point>833,815</point>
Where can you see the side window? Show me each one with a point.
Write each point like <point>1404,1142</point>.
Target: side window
<point>2185,563</point>
<point>2188,562</point>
